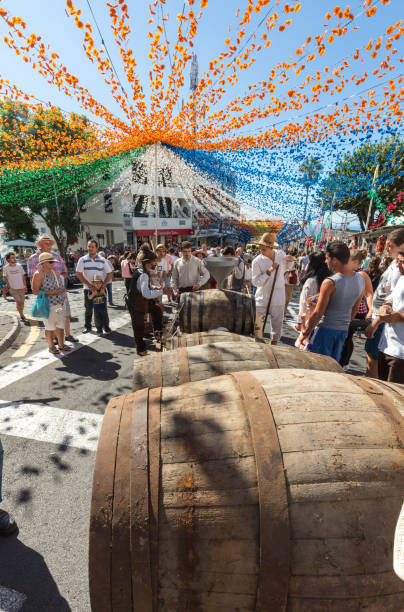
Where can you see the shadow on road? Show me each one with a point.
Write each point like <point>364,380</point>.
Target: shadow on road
<point>24,570</point>
<point>90,363</point>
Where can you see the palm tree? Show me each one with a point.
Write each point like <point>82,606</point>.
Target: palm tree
<point>311,169</point>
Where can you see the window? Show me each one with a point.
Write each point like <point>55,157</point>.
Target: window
<point>108,203</point>
<point>100,239</point>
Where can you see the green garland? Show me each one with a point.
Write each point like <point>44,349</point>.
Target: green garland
<point>27,188</point>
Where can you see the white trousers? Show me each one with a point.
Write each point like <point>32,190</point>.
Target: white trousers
<point>275,319</point>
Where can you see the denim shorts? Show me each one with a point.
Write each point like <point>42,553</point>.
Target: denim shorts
<point>328,342</point>
<point>372,344</point>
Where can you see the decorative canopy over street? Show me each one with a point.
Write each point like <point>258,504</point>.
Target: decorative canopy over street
<point>221,126</point>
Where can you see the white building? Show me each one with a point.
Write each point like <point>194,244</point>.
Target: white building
<point>125,212</point>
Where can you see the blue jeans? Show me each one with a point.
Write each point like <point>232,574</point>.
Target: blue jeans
<point>109,292</point>
<point>328,342</point>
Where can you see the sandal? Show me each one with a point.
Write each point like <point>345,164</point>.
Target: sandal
<point>54,350</point>
<point>65,347</point>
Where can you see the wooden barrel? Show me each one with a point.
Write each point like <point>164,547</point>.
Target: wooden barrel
<point>214,335</point>
<point>274,490</point>
<point>193,363</point>
<point>204,310</point>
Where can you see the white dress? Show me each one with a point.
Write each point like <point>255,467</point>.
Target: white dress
<point>264,283</point>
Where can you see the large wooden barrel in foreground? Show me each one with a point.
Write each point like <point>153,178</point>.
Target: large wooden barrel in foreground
<point>200,362</point>
<point>274,490</point>
<point>213,335</point>
<point>204,310</point>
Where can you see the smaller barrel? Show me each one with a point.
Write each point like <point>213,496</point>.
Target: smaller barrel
<point>209,337</point>
<point>205,310</point>
<point>190,364</point>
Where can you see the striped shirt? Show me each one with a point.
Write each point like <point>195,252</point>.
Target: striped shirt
<point>89,267</point>
<point>33,263</point>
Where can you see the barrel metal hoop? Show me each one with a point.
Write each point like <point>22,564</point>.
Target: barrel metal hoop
<point>154,484</point>
<point>234,302</point>
<point>244,309</point>
<point>183,365</point>
<point>142,592</point>
<point>102,508</point>
<point>201,293</point>
<point>181,313</point>
<point>158,370</point>
<point>121,575</point>
<point>189,297</point>
<point>253,315</point>
<point>384,404</point>
<point>271,357</point>
<point>274,570</point>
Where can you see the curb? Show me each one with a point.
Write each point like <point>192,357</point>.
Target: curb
<point>12,334</point>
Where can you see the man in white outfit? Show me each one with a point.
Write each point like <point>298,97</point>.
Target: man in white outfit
<point>269,264</point>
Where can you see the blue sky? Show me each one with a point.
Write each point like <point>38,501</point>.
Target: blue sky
<point>49,19</point>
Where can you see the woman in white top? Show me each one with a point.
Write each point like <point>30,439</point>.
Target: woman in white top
<point>317,271</point>
<point>270,264</point>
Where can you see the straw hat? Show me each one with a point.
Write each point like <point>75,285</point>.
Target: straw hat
<point>43,237</point>
<point>46,258</point>
<point>267,240</point>
<point>98,278</point>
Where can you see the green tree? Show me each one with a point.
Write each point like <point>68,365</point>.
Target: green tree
<point>56,194</point>
<point>352,178</point>
<point>19,223</point>
<point>310,170</point>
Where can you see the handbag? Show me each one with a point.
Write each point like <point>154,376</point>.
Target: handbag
<point>40,308</point>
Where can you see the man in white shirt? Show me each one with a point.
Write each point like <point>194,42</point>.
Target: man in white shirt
<point>87,267</point>
<point>14,276</point>
<point>189,273</point>
<point>268,271</point>
<point>391,345</point>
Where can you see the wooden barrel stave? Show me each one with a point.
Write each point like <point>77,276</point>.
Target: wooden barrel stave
<point>206,310</point>
<point>343,498</point>
<point>208,360</point>
<point>206,337</point>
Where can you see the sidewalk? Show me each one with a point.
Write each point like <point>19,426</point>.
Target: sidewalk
<point>9,329</point>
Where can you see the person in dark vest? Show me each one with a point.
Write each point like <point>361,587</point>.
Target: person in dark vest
<point>140,300</point>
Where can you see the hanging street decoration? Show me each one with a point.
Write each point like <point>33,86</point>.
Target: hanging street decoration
<point>234,140</point>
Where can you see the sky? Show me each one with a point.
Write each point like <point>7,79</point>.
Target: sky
<point>50,19</point>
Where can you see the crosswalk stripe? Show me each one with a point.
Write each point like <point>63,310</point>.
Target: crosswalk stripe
<point>10,600</point>
<point>50,424</point>
<point>16,371</point>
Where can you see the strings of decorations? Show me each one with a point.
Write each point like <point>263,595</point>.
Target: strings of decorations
<point>386,212</point>
<point>223,153</point>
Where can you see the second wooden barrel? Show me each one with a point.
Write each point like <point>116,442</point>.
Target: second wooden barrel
<point>204,310</point>
<point>213,335</point>
<point>200,362</point>
<point>269,491</point>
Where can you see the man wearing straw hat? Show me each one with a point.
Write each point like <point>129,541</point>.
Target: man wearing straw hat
<point>268,275</point>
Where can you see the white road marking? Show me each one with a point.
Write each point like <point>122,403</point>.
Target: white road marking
<point>293,314</point>
<point>10,600</point>
<point>16,371</point>
<point>49,424</point>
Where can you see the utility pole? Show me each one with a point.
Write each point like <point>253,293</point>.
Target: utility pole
<point>156,200</point>
<point>376,174</point>
<point>193,85</point>
<point>305,205</point>
<point>58,214</point>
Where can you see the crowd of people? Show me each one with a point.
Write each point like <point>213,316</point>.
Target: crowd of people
<point>343,292</point>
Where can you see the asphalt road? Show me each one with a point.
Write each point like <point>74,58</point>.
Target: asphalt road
<point>50,415</point>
